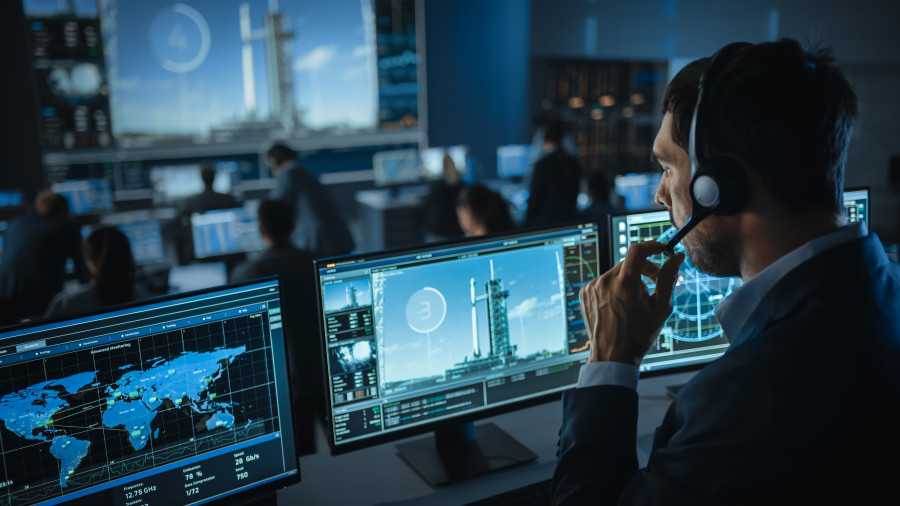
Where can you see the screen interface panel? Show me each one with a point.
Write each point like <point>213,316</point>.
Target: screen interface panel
<point>226,232</point>
<point>174,402</point>
<point>856,205</point>
<point>692,333</point>
<point>432,334</point>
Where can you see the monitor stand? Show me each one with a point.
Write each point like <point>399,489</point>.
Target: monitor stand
<point>463,451</point>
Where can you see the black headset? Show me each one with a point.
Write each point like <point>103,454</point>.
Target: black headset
<point>718,186</point>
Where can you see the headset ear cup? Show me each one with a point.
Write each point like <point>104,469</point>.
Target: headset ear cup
<point>732,179</point>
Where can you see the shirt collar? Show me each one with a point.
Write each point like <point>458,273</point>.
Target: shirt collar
<point>735,310</point>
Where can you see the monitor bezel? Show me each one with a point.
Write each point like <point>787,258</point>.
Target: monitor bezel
<point>653,372</point>
<point>403,433</point>
<point>237,497</point>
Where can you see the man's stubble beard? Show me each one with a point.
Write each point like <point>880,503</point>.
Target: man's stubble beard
<point>710,251</point>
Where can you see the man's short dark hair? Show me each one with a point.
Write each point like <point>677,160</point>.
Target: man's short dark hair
<point>276,218</point>
<point>279,153</point>
<point>785,110</point>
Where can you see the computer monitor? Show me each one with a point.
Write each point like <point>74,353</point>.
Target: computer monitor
<point>433,161</point>
<point>86,196</point>
<point>174,400</point>
<point>856,204</point>
<point>146,241</point>
<point>512,160</point>
<point>433,337</point>
<point>187,278</point>
<point>10,198</point>
<point>638,190</point>
<point>177,182</point>
<point>226,232</point>
<point>692,335</point>
<point>396,167</point>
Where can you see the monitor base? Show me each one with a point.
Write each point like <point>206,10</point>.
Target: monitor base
<point>463,451</point>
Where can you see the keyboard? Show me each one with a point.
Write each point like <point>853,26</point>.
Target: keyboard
<point>534,494</point>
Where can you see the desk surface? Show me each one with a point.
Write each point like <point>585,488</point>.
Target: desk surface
<point>377,475</point>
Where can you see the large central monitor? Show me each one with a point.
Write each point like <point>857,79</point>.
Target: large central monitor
<point>692,335</point>
<point>177,400</point>
<point>429,338</point>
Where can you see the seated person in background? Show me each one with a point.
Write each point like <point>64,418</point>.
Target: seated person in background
<point>598,190</point>
<point>482,211</point>
<point>294,266</point>
<point>108,256</point>
<point>207,200</point>
<point>35,250</point>
<point>803,406</point>
<point>440,205</point>
<point>553,193</point>
<point>320,225</point>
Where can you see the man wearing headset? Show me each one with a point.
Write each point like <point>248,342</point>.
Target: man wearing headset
<point>803,407</point>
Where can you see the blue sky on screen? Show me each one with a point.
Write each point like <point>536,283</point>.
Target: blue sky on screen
<point>334,81</point>
<point>535,308</point>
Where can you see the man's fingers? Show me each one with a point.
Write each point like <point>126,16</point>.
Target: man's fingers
<point>650,269</point>
<point>640,251</point>
<point>665,282</point>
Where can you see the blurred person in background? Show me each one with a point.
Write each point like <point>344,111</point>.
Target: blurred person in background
<point>482,211</point>
<point>35,251</point>
<point>319,223</point>
<point>440,205</point>
<point>553,192</point>
<point>108,256</point>
<point>598,189</point>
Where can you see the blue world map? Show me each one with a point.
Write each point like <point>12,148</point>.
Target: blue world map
<point>131,403</point>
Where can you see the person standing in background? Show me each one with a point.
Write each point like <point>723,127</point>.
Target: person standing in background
<point>553,193</point>
<point>320,226</point>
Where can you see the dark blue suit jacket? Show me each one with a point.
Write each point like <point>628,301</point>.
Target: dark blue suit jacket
<point>804,407</point>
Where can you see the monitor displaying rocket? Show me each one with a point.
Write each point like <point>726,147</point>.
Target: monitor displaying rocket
<point>432,336</point>
<point>158,74</point>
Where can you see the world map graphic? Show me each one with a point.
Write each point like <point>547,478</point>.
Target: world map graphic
<point>132,402</point>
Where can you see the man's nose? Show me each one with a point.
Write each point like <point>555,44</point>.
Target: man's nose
<point>662,194</point>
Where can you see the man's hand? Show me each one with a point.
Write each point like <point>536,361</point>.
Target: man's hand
<point>621,316</point>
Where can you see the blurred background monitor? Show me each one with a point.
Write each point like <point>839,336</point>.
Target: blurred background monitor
<point>199,276</point>
<point>512,160</point>
<point>433,337</point>
<point>172,183</point>
<point>10,198</point>
<point>856,204</point>
<point>433,161</point>
<point>146,241</point>
<point>226,232</point>
<point>638,190</point>
<point>86,196</point>
<point>396,167</point>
